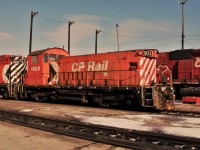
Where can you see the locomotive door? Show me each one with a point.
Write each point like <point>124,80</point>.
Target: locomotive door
<point>50,69</point>
<point>35,74</point>
<point>175,70</point>
<point>53,73</point>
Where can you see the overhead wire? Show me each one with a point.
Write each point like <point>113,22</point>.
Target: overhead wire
<point>156,38</point>
<point>131,36</point>
<point>192,35</point>
<point>132,43</point>
<point>166,44</point>
<point>132,12</point>
<point>146,18</point>
<point>188,40</point>
<point>91,28</point>
<point>51,20</point>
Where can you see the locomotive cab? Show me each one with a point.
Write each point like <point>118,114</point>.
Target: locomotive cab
<point>42,69</point>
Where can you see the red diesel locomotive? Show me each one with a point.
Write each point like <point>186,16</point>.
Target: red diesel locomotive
<point>115,78</point>
<point>185,66</point>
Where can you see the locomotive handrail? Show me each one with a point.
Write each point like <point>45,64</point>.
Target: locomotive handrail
<point>164,72</point>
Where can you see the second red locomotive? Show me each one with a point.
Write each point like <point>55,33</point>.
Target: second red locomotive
<point>185,66</point>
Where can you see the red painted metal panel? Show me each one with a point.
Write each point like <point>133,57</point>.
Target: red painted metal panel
<point>5,60</point>
<point>125,68</point>
<point>185,69</point>
<point>190,99</point>
<point>196,64</point>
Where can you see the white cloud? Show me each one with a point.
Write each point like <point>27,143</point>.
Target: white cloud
<point>6,36</point>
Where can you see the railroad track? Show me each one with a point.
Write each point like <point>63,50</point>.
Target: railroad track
<point>181,113</point>
<point>110,135</point>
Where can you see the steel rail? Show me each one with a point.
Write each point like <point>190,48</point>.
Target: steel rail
<point>110,135</point>
<point>181,113</point>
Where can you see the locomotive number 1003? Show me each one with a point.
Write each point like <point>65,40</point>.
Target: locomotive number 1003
<point>147,53</point>
<point>35,68</point>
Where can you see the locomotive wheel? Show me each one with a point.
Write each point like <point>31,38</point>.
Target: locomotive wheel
<point>16,95</point>
<point>132,104</point>
<point>53,98</point>
<point>129,102</point>
<point>5,95</point>
<point>169,105</point>
<point>90,100</point>
<point>35,97</point>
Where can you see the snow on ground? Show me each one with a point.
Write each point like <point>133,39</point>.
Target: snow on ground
<point>26,110</point>
<point>181,126</point>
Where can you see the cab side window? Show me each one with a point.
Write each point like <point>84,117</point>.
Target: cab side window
<point>45,58</point>
<point>35,59</point>
<point>52,57</point>
<point>61,56</point>
<point>132,65</point>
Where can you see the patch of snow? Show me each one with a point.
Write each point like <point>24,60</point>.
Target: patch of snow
<point>26,110</point>
<point>174,125</point>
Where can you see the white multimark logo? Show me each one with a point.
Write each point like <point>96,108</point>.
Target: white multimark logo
<point>197,62</point>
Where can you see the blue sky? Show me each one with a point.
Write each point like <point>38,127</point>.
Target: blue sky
<point>142,24</point>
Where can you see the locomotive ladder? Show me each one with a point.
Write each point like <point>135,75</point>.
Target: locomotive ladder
<point>148,96</point>
<point>15,88</point>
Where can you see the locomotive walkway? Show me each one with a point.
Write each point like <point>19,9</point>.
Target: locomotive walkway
<point>126,121</point>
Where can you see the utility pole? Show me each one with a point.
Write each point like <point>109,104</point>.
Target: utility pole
<point>118,64</point>
<point>31,28</point>
<point>117,26</point>
<point>183,35</point>
<point>69,26</point>
<point>97,32</point>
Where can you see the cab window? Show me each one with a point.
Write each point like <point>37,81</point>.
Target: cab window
<point>132,65</point>
<point>52,57</point>
<point>35,59</point>
<point>45,58</point>
<point>61,56</point>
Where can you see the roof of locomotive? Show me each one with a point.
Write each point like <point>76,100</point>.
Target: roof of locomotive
<point>130,50</point>
<point>114,52</point>
<point>9,56</point>
<point>196,52</point>
<point>183,54</point>
<point>44,50</point>
<point>5,55</point>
